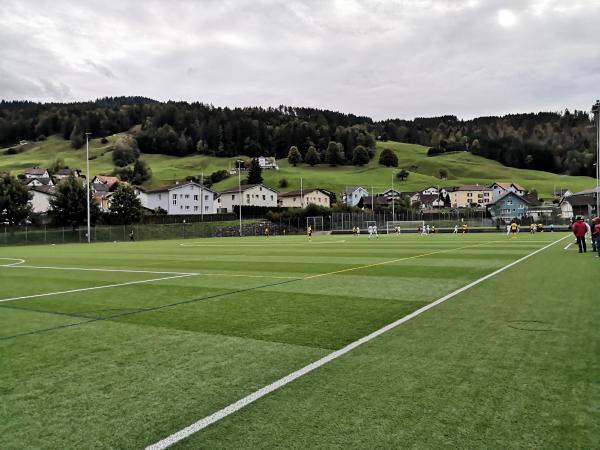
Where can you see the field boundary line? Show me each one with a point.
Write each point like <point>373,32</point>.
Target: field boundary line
<point>93,288</point>
<point>18,261</point>
<point>251,398</point>
<point>568,245</point>
<point>92,269</point>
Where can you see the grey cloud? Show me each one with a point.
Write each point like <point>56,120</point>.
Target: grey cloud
<point>384,58</point>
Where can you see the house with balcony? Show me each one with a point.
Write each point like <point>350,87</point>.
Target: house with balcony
<point>179,198</point>
<point>509,206</point>
<point>470,196</point>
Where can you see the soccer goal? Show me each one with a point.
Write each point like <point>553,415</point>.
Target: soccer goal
<point>316,222</point>
<point>399,226</point>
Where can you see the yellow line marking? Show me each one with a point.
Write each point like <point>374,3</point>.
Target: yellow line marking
<point>394,260</point>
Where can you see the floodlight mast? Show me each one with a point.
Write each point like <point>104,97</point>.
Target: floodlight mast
<point>596,112</point>
<point>87,184</point>
<point>240,192</point>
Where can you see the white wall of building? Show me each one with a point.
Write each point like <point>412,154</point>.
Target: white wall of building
<point>189,198</point>
<point>258,195</point>
<point>40,202</point>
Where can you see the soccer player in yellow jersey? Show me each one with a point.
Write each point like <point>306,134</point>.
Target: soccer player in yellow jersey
<point>541,227</point>
<point>309,232</point>
<point>465,228</point>
<point>513,230</point>
<point>531,228</point>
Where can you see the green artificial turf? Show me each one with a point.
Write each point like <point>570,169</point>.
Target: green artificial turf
<point>463,168</point>
<point>509,363</point>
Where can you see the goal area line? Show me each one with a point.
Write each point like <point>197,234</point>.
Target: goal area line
<point>251,398</point>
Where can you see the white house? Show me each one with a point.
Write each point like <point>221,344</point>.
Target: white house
<point>268,163</point>
<point>104,183</point>
<point>40,200</point>
<point>36,173</point>
<point>179,198</point>
<point>391,193</point>
<point>430,191</point>
<point>352,195</point>
<point>251,195</point>
<point>500,189</point>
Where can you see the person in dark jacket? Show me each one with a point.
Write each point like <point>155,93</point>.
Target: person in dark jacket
<point>579,229</point>
<point>592,224</point>
<point>596,234</point>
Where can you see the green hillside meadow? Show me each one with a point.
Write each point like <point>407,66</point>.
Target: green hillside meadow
<point>463,168</point>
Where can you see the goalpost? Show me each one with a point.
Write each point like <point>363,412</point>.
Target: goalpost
<point>399,226</point>
<point>316,222</point>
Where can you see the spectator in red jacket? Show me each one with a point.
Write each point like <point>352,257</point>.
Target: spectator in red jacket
<point>596,234</point>
<point>580,229</point>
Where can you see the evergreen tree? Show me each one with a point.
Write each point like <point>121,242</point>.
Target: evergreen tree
<point>254,172</point>
<point>294,156</point>
<point>388,158</point>
<point>125,207</point>
<point>14,200</point>
<point>68,207</point>
<point>312,157</point>
<point>360,156</point>
<point>141,172</point>
<point>76,137</point>
<point>332,154</point>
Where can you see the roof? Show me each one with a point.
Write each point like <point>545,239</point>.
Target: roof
<point>35,171</point>
<point>48,190</point>
<point>172,186</point>
<point>66,172</point>
<point>45,181</point>
<point>244,187</point>
<point>472,187</point>
<point>505,185</point>
<point>105,179</point>
<point>587,191</point>
<point>507,194</point>
<point>304,192</point>
<point>351,189</point>
<point>428,198</point>
<point>375,200</point>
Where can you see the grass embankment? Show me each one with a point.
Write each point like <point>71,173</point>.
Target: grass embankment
<point>463,168</point>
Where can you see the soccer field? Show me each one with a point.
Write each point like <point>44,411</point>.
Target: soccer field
<point>122,345</point>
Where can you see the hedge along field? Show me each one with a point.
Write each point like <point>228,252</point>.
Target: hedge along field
<point>462,168</point>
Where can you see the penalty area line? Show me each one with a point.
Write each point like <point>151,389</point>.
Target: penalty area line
<point>251,398</point>
<point>93,288</point>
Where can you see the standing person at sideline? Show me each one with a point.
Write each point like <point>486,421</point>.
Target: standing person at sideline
<point>375,231</point>
<point>580,229</point>
<point>266,232</point>
<point>131,236</point>
<point>370,230</point>
<point>592,236</point>
<point>514,229</point>
<point>596,234</point>
<point>455,229</point>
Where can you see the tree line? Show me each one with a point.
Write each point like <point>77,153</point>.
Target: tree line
<point>560,142</point>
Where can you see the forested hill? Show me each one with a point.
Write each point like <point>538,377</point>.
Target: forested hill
<point>555,142</point>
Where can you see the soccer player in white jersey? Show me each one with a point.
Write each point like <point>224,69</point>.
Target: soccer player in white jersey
<point>370,229</point>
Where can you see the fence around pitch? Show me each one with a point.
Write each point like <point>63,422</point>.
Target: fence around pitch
<point>141,232</point>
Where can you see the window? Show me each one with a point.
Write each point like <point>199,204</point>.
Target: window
<point>187,206</point>
<point>187,195</point>
<point>195,208</point>
<point>509,202</point>
<point>180,195</point>
<point>233,197</point>
<point>206,208</point>
<point>196,197</point>
<point>260,188</point>
<point>206,197</point>
<point>264,197</point>
<point>248,197</point>
<point>469,194</point>
<point>271,197</point>
<point>160,196</point>
<point>174,201</point>
<point>174,196</point>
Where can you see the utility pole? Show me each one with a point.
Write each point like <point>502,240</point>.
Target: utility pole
<point>596,112</point>
<point>87,185</point>
<point>301,195</point>
<point>393,196</point>
<point>240,192</point>
<point>202,197</point>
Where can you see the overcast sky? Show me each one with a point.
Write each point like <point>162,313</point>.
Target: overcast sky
<point>381,58</point>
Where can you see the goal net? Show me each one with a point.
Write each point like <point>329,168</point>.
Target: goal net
<point>316,222</point>
<point>402,226</point>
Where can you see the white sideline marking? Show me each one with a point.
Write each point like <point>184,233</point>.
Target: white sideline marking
<point>568,245</point>
<point>236,406</point>
<point>90,269</point>
<point>18,261</point>
<point>258,244</point>
<point>93,288</point>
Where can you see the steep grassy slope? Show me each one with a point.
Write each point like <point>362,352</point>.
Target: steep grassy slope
<point>463,168</point>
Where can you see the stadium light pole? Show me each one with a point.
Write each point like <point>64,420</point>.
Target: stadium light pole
<point>87,185</point>
<point>240,192</point>
<point>393,196</point>
<point>202,197</point>
<point>596,112</point>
